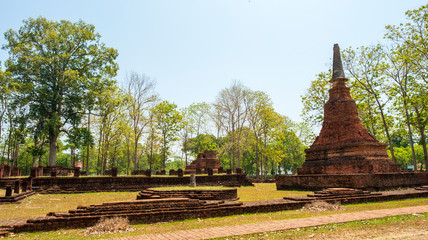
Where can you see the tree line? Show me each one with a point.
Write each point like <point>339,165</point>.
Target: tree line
<point>389,83</point>
<point>61,105</point>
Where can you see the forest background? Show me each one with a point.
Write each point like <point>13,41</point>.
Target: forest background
<point>61,104</point>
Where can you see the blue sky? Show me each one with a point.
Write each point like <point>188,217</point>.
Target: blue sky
<point>195,48</point>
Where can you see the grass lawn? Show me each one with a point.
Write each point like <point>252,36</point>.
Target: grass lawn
<point>39,205</point>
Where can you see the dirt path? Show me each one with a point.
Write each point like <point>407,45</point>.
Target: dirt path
<point>281,225</point>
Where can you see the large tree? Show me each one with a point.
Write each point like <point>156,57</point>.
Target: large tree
<point>411,37</point>
<point>365,66</point>
<point>231,108</point>
<point>169,123</point>
<point>55,65</point>
<point>142,98</point>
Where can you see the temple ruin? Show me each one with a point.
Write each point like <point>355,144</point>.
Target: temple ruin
<point>345,154</point>
<point>344,145</point>
<point>204,161</point>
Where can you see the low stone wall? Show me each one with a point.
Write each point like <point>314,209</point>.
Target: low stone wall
<point>376,182</point>
<point>16,198</point>
<point>201,194</point>
<point>112,184</point>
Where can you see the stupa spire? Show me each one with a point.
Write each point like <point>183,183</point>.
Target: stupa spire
<point>337,63</point>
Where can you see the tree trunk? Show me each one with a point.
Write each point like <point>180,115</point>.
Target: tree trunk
<point>16,153</point>
<point>73,156</point>
<point>135,154</point>
<point>89,144</point>
<point>391,148</point>
<point>409,131</point>
<point>34,161</point>
<point>52,150</point>
<point>424,146</point>
<point>128,158</point>
<point>164,153</point>
<point>99,152</point>
<point>257,159</point>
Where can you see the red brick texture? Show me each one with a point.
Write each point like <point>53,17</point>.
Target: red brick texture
<point>344,145</point>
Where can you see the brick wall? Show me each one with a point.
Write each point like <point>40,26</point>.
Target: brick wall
<point>107,184</point>
<point>380,181</point>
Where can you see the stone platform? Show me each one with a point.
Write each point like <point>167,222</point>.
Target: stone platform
<point>201,194</point>
<point>16,198</point>
<point>365,181</point>
<point>335,194</point>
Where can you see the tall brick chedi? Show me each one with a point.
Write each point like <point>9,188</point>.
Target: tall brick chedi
<point>344,145</point>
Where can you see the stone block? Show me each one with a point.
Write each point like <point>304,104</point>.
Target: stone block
<point>17,186</point>
<point>114,172</point>
<point>76,172</point>
<point>8,191</point>
<point>180,172</point>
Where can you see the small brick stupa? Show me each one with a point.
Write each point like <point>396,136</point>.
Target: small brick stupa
<point>344,145</point>
<point>205,160</point>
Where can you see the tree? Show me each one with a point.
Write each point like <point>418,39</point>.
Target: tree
<point>169,123</point>
<point>141,91</point>
<point>315,98</point>
<point>198,119</point>
<point>202,141</point>
<point>231,108</point>
<point>5,94</point>
<point>55,64</point>
<point>260,116</point>
<point>112,109</point>
<point>398,70</point>
<point>411,37</point>
<point>195,121</point>
<point>365,67</point>
<point>288,145</point>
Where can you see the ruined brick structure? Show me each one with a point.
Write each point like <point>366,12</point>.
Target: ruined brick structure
<point>344,145</point>
<point>176,209</point>
<point>345,154</point>
<point>205,160</point>
<point>201,194</point>
<point>107,184</point>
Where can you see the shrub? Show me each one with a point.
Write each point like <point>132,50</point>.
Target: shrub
<point>109,225</point>
<point>319,206</point>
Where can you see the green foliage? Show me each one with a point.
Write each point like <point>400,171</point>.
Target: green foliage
<point>168,122</point>
<point>55,65</point>
<point>315,98</point>
<point>202,142</point>
<point>403,156</point>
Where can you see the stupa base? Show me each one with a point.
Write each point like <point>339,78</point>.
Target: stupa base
<point>364,181</point>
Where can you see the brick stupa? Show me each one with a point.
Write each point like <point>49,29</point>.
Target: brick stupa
<point>205,160</point>
<point>345,155</point>
<point>344,145</point>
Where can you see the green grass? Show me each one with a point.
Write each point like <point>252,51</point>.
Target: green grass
<point>265,191</point>
<point>40,204</point>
